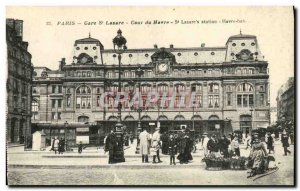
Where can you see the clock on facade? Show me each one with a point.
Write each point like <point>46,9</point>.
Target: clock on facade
<point>245,55</point>
<point>84,59</point>
<point>163,67</point>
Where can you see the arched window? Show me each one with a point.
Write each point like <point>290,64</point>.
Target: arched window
<point>83,97</point>
<point>245,95</point>
<point>179,118</point>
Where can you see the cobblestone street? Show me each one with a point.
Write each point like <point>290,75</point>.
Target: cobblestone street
<point>90,169</point>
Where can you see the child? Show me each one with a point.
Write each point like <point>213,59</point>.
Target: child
<point>80,147</point>
<point>172,149</point>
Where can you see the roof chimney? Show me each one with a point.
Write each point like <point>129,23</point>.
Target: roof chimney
<point>202,45</point>
<point>171,46</point>
<point>155,45</point>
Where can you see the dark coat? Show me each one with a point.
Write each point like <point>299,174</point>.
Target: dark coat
<point>223,144</point>
<point>61,146</point>
<point>285,141</point>
<point>212,146</point>
<point>270,143</point>
<point>111,143</point>
<point>172,147</point>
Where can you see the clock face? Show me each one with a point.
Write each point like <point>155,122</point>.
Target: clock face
<point>163,67</point>
<point>83,60</point>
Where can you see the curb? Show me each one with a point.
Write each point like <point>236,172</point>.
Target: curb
<point>103,156</point>
<point>107,166</point>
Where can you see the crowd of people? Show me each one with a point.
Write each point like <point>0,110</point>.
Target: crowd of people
<point>58,146</point>
<point>180,144</point>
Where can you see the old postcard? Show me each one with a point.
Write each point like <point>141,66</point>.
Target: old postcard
<point>158,96</point>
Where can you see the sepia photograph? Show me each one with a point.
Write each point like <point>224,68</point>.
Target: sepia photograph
<point>150,96</point>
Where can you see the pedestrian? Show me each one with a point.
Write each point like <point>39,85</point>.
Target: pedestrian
<point>184,147</point>
<point>55,144</point>
<point>144,138</point>
<point>285,143</point>
<point>270,143</point>
<point>292,137</point>
<point>212,145</point>
<point>235,146</point>
<point>248,142</point>
<point>204,143</point>
<point>172,149</point>
<point>164,147</point>
<point>80,147</point>
<point>52,144</point>
<point>257,154</point>
<point>111,147</point>
<point>61,146</point>
<point>131,138</point>
<point>232,135</point>
<point>223,146</point>
<point>156,144</point>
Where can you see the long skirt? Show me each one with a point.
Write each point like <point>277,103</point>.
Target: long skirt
<point>258,158</point>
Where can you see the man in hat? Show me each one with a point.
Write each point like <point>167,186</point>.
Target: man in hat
<point>285,143</point>
<point>204,143</point>
<point>144,145</point>
<point>155,144</point>
<point>223,145</point>
<point>212,144</point>
<point>111,146</point>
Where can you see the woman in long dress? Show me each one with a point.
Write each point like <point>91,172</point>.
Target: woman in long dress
<point>257,156</point>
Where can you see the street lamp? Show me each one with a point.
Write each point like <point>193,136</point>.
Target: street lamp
<point>139,72</point>
<point>119,47</point>
<point>250,132</point>
<point>65,133</point>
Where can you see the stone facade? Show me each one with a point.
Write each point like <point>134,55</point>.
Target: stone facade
<point>286,102</point>
<point>230,84</point>
<point>19,82</point>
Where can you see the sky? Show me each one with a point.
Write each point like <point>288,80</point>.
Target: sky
<point>273,26</point>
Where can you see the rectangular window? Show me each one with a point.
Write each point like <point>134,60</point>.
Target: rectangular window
<point>210,101</point>
<point>83,102</point>
<point>98,101</point>
<point>59,101</point>
<point>193,88</point>
<point>88,102</point>
<point>83,74</point>
<point>262,99</point>
<point>59,115</point>
<point>251,102</point>
<point>78,102</point>
<point>245,100</point>
<point>53,115</point>
<point>229,98</point>
<point>59,89</point>
<point>216,101</point>
<point>68,101</point>
<point>23,103</point>
<point>239,100</point>
<point>53,88</point>
<point>53,103</point>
